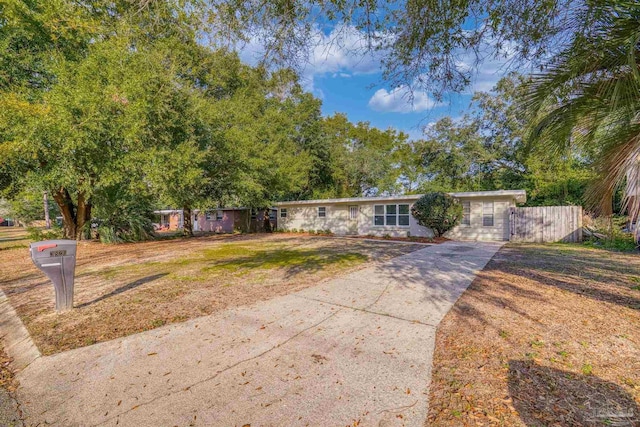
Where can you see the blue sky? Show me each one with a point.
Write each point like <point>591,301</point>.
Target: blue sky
<point>350,82</point>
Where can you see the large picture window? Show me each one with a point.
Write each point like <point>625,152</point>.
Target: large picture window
<point>487,214</point>
<point>466,213</point>
<point>391,215</point>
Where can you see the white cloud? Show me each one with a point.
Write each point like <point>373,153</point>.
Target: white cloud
<point>342,53</point>
<point>401,100</point>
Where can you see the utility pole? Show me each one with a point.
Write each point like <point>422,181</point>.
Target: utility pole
<point>47,221</point>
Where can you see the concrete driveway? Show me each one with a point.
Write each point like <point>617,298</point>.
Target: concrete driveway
<point>351,351</point>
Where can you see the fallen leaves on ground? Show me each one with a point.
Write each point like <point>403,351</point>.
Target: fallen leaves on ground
<point>545,335</point>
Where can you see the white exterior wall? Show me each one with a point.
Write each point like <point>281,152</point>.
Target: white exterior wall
<point>301,217</point>
<point>476,231</point>
<point>305,217</point>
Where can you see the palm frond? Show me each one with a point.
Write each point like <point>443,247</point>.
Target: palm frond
<point>589,96</point>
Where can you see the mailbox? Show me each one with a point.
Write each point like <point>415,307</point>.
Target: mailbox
<point>57,259</point>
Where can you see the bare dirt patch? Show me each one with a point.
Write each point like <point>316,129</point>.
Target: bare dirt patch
<point>128,288</point>
<point>545,335</point>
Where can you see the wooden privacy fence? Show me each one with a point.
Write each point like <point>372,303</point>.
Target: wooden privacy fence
<point>546,224</point>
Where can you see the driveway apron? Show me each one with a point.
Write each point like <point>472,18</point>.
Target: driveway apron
<point>356,350</point>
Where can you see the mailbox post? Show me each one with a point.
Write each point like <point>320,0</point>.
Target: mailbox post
<point>57,259</point>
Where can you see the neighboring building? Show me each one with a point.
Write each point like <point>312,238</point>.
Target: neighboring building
<point>223,220</point>
<point>486,215</point>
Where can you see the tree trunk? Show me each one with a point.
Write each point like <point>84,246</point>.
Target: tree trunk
<point>187,225</point>
<point>74,216</point>
<point>267,221</point>
<point>83,213</point>
<point>68,211</point>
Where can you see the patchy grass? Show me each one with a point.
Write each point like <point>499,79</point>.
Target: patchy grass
<point>545,335</point>
<point>128,288</point>
<point>13,238</point>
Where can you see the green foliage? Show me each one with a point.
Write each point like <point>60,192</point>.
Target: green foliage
<point>616,238</point>
<point>27,205</point>
<point>587,97</point>
<point>421,41</point>
<point>486,150</point>
<point>124,213</point>
<point>437,211</point>
<point>37,234</point>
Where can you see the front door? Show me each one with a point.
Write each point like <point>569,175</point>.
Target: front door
<point>196,225</point>
<point>353,219</point>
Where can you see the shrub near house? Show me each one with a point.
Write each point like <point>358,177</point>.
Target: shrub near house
<point>437,211</point>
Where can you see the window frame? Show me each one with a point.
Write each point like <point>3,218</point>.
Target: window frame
<point>393,214</point>
<point>208,216</point>
<point>283,213</point>
<point>324,212</point>
<point>466,213</point>
<point>219,215</point>
<point>486,215</point>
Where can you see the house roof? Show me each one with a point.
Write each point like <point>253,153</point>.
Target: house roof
<point>519,195</point>
<point>173,211</point>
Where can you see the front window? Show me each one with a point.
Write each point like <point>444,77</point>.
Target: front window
<point>487,214</point>
<point>322,212</point>
<point>219,215</point>
<point>466,213</point>
<point>272,215</point>
<point>283,212</point>
<point>391,215</point>
<point>208,216</point>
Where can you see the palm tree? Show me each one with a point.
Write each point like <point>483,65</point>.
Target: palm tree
<point>588,96</point>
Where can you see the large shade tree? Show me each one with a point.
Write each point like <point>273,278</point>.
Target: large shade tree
<point>77,85</point>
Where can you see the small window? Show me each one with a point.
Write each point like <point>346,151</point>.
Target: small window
<point>283,212</point>
<point>403,215</point>
<point>208,216</point>
<point>272,215</point>
<point>219,215</point>
<point>466,213</point>
<point>378,217</point>
<point>487,214</point>
<point>322,212</point>
<point>353,212</point>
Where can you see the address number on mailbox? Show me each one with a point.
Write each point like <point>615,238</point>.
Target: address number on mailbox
<point>58,253</point>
